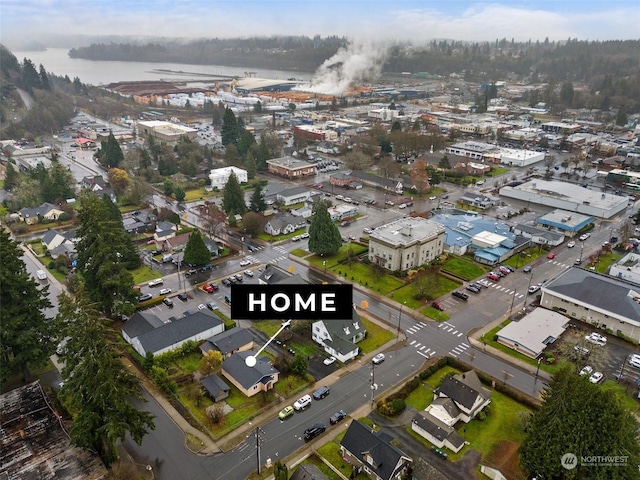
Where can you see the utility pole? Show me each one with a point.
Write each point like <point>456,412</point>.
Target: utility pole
<point>513,300</point>
<point>259,442</point>
<point>399,318</point>
<point>373,381</point>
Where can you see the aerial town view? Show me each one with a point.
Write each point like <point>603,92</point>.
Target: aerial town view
<point>319,240</point>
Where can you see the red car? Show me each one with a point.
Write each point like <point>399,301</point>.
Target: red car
<point>493,276</point>
<point>209,288</point>
<point>437,306</point>
<point>551,255</point>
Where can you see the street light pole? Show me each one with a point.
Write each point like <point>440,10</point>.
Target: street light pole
<point>513,300</point>
<point>526,295</point>
<point>538,369</point>
<point>324,264</point>
<point>399,318</point>
<point>373,381</point>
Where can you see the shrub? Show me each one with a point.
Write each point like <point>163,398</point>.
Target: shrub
<point>391,408</point>
<point>162,380</point>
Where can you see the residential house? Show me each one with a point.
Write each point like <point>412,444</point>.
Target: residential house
<point>436,431</point>
<point>539,236</point>
<point>284,224</point>
<point>229,342</point>
<point>145,332</point>
<point>164,231</point>
<point>177,243</point>
<point>53,239</point>
<point>374,453</point>
<point>262,377</point>
<point>467,393</point>
<point>307,471</point>
<point>35,444</point>
<point>215,387</point>
<point>46,211</point>
<point>99,186</point>
<point>339,337</point>
<point>272,275</point>
<point>220,176</point>
<point>294,195</point>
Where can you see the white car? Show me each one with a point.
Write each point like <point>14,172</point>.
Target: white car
<point>367,230</point>
<point>329,361</point>
<point>156,282</point>
<point>587,370</point>
<point>432,198</point>
<point>571,244</point>
<point>584,236</point>
<point>596,339</point>
<point>379,358</point>
<point>165,291</point>
<point>244,263</point>
<point>534,288</point>
<point>402,205</point>
<point>202,306</point>
<point>596,377</point>
<point>302,403</point>
<point>248,273</point>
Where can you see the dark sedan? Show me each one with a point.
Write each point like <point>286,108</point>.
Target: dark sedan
<point>336,417</point>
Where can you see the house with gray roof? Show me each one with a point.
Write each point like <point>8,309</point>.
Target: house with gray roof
<point>308,471</point>
<point>229,342</point>
<point>374,453</point>
<point>539,236</point>
<point>164,231</point>
<point>437,432</point>
<point>339,338</point>
<point>479,200</point>
<point>272,275</point>
<point>46,211</point>
<point>283,224</point>
<point>599,299</point>
<point>293,195</point>
<point>215,387</point>
<point>145,332</point>
<point>261,377</point>
<point>52,239</point>
<point>377,181</point>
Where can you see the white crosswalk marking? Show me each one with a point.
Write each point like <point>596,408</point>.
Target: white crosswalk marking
<point>423,347</point>
<point>412,342</point>
<point>460,334</point>
<point>454,332</point>
<point>464,344</point>
<point>418,344</point>
<point>424,355</point>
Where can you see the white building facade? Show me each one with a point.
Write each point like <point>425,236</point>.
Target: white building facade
<point>220,176</point>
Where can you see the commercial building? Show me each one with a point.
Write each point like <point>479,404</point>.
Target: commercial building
<point>290,167</point>
<point>406,243</point>
<point>627,268</point>
<point>533,333</point>
<point>599,299</point>
<point>567,196</point>
<point>220,176</point>
<point>564,222</point>
<point>165,131</point>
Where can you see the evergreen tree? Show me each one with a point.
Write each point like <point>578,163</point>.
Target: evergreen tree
<point>324,236</point>
<point>250,165</point>
<point>196,252</point>
<point>246,142</point>
<point>599,424</point>
<point>179,193</point>
<point>10,177</point>
<point>101,257</point>
<point>26,334</point>
<point>168,187</point>
<point>621,118</point>
<point>233,197</point>
<point>257,203</point>
<point>30,77</point>
<point>58,183</point>
<point>280,471</point>
<point>127,249</point>
<point>97,387</point>
<point>444,163</point>
<point>44,79</point>
<point>110,154</point>
<point>230,131</point>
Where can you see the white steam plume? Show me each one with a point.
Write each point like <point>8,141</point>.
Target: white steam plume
<point>355,63</point>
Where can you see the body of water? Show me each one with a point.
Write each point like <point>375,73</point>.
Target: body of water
<point>58,62</point>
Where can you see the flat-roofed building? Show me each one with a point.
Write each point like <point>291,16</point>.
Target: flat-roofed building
<point>627,268</point>
<point>166,131</point>
<point>562,221</point>
<point>290,167</point>
<point>220,176</point>
<point>406,243</point>
<point>567,196</point>
<point>533,333</point>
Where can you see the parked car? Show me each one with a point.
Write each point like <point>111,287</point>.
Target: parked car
<point>227,299</point>
<point>402,205</point>
<point>367,230</point>
<point>202,306</point>
<point>145,297</point>
<point>534,288</point>
<point>249,273</point>
<point>596,377</point>
<point>183,296</point>
<point>571,244</point>
<point>232,279</point>
<point>493,276</point>
<point>320,393</point>
<point>336,417</point>
<point>226,282</point>
<point>437,306</point>
<point>206,268</point>
<point>527,269</point>
<point>345,223</point>
<point>190,272</point>
<point>478,285</point>
<point>551,255</point>
<point>379,358</point>
<point>577,261</point>
<point>314,430</point>
<point>473,289</point>
<point>587,370</point>
<point>156,282</point>
<point>165,291</point>
<point>504,270</point>
<point>460,295</point>
<point>244,263</point>
<point>302,403</point>
<point>210,287</point>
<point>584,236</point>
<point>329,361</point>
<point>286,412</point>
<point>596,339</point>
<point>581,350</point>
<point>212,306</point>
<point>168,302</point>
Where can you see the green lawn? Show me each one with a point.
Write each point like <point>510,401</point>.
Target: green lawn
<point>289,384</point>
<point>445,285</point>
<point>196,194</point>
<point>437,315</point>
<point>626,394</point>
<point>362,274</point>
<point>299,252</point>
<point>340,256</point>
<point>376,336</point>
<point>605,261</point>
<point>464,268</point>
<point>331,452</point>
<point>496,171</point>
<point>37,247</point>
<point>405,296</point>
<point>143,274</point>
<point>268,238</point>
<point>423,395</point>
<point>268,327</point>
<point>525,257</point>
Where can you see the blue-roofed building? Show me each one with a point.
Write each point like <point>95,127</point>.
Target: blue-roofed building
<point>564,222</point>
<point>489,240</point>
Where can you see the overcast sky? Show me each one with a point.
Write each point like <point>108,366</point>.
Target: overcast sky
<point>379,19</point>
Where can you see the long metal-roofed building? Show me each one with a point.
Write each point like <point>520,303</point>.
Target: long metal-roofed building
<point>596,298</point>
<point>406,243</point>
<point>567,196</point>
<point>251,85</point>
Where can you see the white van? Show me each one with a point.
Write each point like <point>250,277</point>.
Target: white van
<point>302,403</point>
<point>41,274</point>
